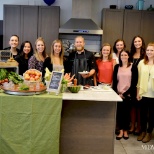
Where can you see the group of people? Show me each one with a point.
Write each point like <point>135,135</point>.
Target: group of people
<point>129,73</point>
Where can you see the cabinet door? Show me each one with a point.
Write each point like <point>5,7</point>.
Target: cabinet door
<point>112,25</point>
<point>11,23</point>
<point>147,26</point>
<point>29,23</point>
<point>132,26</point>
<point>49,20</point>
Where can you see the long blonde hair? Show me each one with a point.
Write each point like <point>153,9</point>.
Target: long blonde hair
<point>61,54</point>
<point>44,52</point>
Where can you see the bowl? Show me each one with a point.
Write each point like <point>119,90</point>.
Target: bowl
<point>129,7</point>
<point>74,89</point>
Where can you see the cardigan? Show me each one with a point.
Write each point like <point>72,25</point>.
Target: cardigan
<point>134,78</point>
<point>144,77</point>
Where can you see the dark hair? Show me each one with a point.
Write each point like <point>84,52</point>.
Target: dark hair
<point>129,59</point>
<point>22,47</point>
<point>114,46</point>
<point>133,49</point>
<point>15,36</point>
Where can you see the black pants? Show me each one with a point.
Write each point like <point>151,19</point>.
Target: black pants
<point>147,114</point>
<point>123,114</point>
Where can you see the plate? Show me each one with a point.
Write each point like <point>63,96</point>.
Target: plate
<point>83,72</point>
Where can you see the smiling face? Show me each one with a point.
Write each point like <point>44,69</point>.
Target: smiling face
<point>124,57</point>
<point>14,41</point>
<point>40,46</point>
<point>150,52</point>
<point>106,50</point>
<point>27,48</point>
<point>119,46</point>
<point>79,43</point>
<point>57,48</point>
<point>138,42</point>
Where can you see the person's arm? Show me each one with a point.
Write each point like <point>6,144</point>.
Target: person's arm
<point>115,80</point>
<point>32,62</point>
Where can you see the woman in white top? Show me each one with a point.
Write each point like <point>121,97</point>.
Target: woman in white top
<point>118,46</point>
<point>145,93</point>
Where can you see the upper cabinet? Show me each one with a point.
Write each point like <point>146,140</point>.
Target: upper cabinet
<point>133,23</point>
<point>112,25</point>
<point>31,22</point>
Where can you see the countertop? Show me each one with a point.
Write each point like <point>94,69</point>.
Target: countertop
<point>93,95</point>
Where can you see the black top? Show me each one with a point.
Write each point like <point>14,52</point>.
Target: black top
<point>134,79</point>
<point>23,64</point>
<point>18,51</point>
<point>79,63</point>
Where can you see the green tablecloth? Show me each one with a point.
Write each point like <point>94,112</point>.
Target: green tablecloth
<point>30,124</point>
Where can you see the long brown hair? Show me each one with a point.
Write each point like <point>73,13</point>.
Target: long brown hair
<point>110,54</point>
<point>44,52</point>
<point>129,60</point>
<point>61,54</point>
<point>146,60</point>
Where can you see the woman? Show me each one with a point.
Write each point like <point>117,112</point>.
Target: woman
<point>36,61</point>
<point>124,83</point>
<point>56,61</point>
<point>26,51</point>
<point>119,45</point>
<point>145,93</point>
<point>136,53</point>
<point>105,65</point>
<point>14,42</point>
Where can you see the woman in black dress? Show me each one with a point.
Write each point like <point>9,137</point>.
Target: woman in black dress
<point>26,50</point>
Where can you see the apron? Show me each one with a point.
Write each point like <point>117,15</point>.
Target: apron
<point>80,65</point>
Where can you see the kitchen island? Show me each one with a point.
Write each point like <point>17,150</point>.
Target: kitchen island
<point>88,122</point>
<point>84,123</point>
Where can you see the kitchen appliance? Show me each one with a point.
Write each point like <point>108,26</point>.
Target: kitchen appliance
<point>82,24</point>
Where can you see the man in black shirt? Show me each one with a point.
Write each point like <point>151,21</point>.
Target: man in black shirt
<point>80,61</point>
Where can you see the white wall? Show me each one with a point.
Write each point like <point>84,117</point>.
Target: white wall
<point>66,7</point>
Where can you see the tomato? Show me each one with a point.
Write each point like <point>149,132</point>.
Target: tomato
<point>6,80</point>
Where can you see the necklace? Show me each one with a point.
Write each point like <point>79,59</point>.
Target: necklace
<point>149,68</point>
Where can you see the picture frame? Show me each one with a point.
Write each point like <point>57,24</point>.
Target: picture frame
<point>55,82</point>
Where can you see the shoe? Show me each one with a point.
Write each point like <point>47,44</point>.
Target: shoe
<point>147,138</point>
<point>141,136</point>
<point>119,137</point>
<point>126,138</point>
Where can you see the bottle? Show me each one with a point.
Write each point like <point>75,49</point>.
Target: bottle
<point>75,82</point>
<point>150,8</point>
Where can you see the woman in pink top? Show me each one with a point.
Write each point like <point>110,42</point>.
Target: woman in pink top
<point>125,79</point>
<point>105,65</point>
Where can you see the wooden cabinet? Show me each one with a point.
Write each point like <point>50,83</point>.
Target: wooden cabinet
<point>134,22</point>
<point>132,26</point>
<point>31,22</point>
<point>112,25</point>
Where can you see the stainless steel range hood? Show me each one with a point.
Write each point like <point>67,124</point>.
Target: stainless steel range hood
<point>81,21</point>
<point>80,26</point>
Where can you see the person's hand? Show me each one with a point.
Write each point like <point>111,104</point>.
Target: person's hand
<point>121,96</point>
<point>85,75</point>
<point>68,77</point>
<point>138,97</point>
